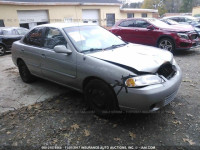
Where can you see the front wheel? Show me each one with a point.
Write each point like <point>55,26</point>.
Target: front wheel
<point>24,72</point>
<point>2,50</point>
<point>166,44</point>
<point>100,97</point>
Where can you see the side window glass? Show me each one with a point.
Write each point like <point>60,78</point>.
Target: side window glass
<point>53,37</point>
<point>175,19</point>
<point>181,19</point>
<point>129,23</point>
<point>34,37</point>
<point>141,24</point>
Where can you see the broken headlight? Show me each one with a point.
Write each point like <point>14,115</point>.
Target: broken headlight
<point>144,80</point>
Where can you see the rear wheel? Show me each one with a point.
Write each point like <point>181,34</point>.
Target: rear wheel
<point>100,97</point>
<point>166,44</point>
<point>24,72</point>
<point>2,50</point>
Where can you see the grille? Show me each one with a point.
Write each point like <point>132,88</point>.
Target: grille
<point>167,70</point>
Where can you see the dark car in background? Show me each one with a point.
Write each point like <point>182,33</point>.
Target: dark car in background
<point>153,32</point>
<point>8,36</point>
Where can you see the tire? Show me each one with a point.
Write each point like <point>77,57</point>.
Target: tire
<point>100,97</point>
<point>24,72</point>
<point>2,50</point>
<point>166,44</point>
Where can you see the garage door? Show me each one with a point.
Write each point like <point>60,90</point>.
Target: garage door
<point>29,16</point>
<point>90,16</point>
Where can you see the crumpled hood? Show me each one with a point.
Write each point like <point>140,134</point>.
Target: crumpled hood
<point>140,57</point>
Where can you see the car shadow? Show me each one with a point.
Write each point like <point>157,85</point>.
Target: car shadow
<point>183,53</point>
<point>72,104</point>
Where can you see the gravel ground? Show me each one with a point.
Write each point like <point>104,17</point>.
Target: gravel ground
<point>64,121</point>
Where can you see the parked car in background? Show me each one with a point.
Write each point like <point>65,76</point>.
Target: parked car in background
<point>111,73</point>
<point>176,24</point>
<point>153,32</point>
<point>189,20</point>
<point>8,36</point>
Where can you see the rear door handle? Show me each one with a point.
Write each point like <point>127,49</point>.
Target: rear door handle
<point>22,50</point>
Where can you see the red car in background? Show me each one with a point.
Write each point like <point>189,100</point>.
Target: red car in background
<point>153,32</point>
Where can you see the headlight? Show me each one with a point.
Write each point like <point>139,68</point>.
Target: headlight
<point>144,80</point>
<point>183,35</point>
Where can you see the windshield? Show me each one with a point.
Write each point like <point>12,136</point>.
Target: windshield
<point>87,38</point>
<point>172,22</point>
<point>22,31</point>
<point>192,18</point>
<point>158,23</point>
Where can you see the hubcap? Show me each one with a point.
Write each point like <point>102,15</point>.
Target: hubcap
<point>167,45</point>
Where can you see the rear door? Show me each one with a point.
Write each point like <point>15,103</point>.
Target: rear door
<point>31,50</point>
<point>58,67</point>
<point>127,31</point>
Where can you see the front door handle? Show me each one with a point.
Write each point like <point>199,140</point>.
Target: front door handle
<point>43,55</point>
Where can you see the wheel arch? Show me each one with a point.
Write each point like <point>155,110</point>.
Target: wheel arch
<point>3,45</point>
<point>166,36</point>
<point>18,60</point>
<point>90,78</point>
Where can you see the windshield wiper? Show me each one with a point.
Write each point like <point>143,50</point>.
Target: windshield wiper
<point>115,46</point>
<point>91,50</point>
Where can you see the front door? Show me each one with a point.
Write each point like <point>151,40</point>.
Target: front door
<point>127,31</point>
<point>58,67</point>
<point>142,34</point>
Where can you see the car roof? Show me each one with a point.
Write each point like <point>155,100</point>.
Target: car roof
<point>178,16</point>
<point>138,18</point>
<point>135,19</point>
<point>64,25</point>
<point>11,28</point>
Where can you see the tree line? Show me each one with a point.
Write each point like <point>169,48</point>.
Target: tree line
<point>166,6</point>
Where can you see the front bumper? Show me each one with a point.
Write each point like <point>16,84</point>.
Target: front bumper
<point>149,98</point>
<point>183,44</point>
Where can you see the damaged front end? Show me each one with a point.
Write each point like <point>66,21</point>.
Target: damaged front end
<point>149,91</point>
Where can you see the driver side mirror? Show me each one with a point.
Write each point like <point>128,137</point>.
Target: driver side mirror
<point>62,49</point>
<point>150,27</point>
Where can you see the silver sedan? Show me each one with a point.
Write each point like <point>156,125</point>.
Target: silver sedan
<point>112,74</point>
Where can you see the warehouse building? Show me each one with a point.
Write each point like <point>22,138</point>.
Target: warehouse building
<point>29,13</point>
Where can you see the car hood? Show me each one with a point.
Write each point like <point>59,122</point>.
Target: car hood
<point>183,26</point>
<point>139,57</point>
<point>177,28</point>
